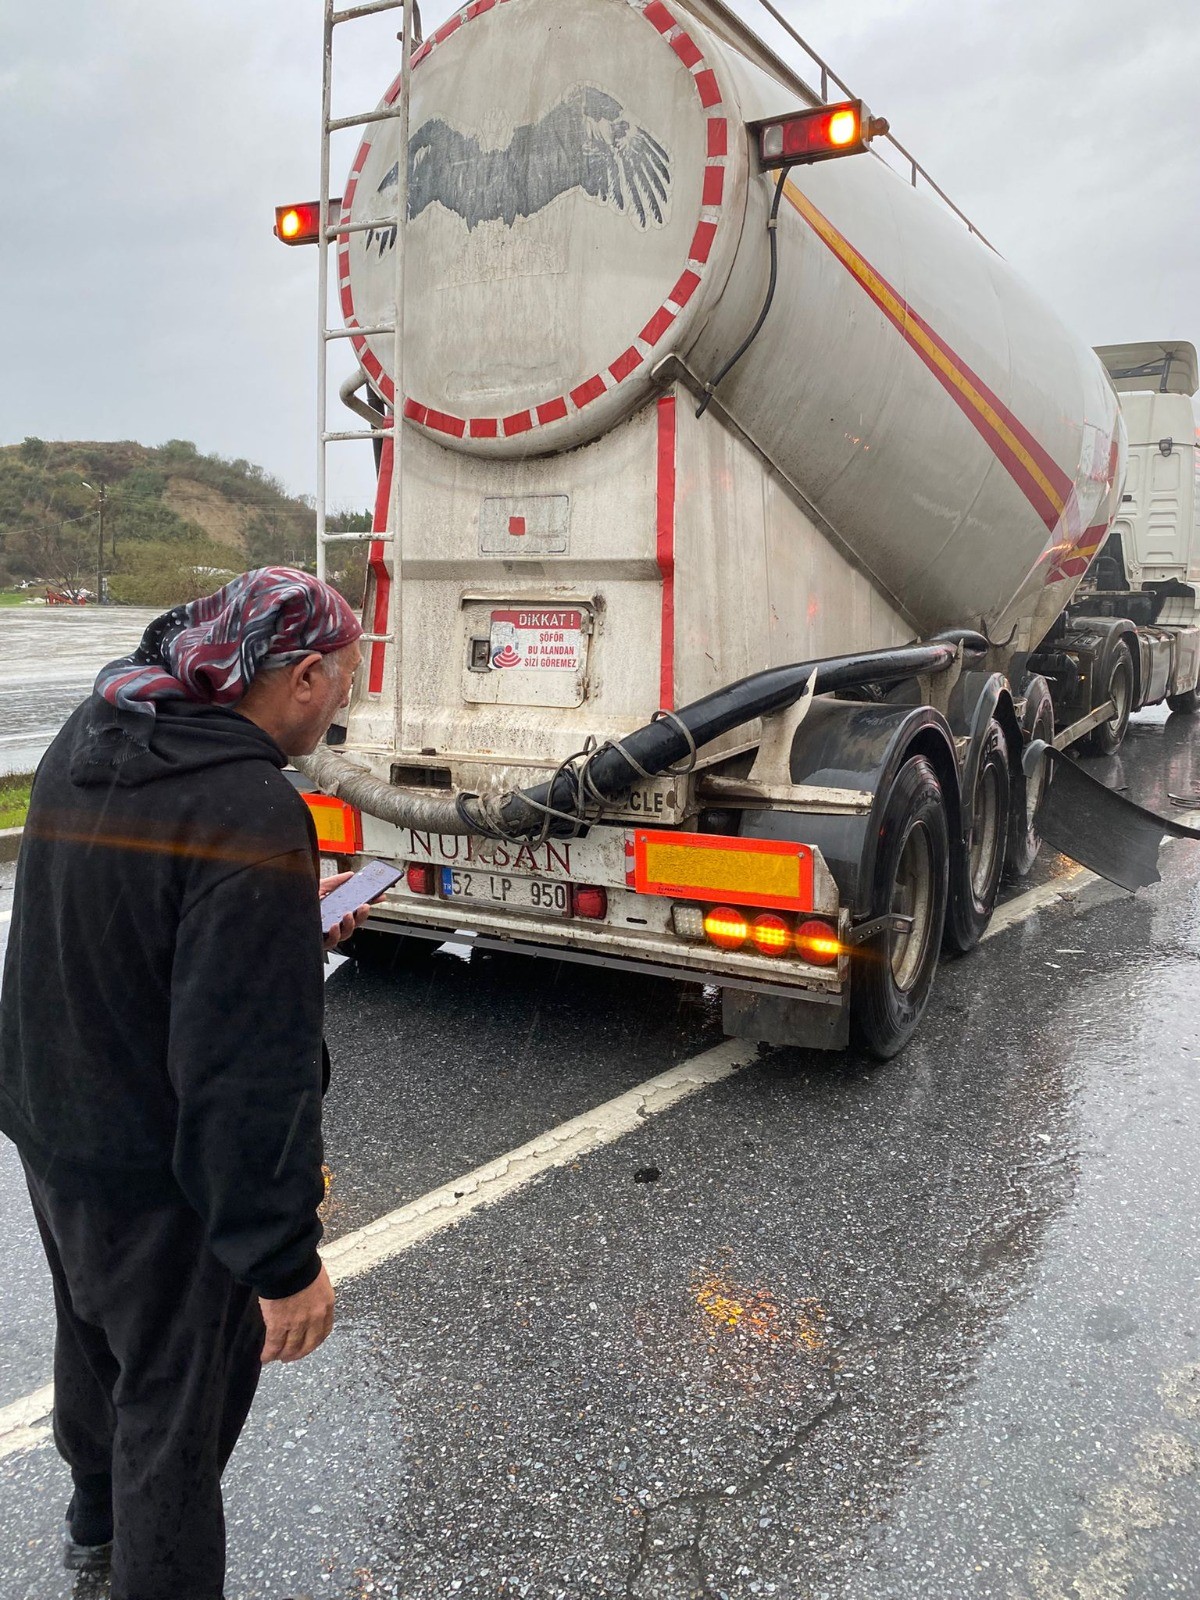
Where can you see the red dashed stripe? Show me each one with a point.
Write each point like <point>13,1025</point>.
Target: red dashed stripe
<point>702,241</point>
<point>624,365</point>
<point>710,89</point>
<point>589,391</point>
<point>658,325</point>
<point>685,289</point>
<point>444,422</point>
<point>557,410</point>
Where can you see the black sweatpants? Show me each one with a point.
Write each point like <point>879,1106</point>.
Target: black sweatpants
<point>156,1361</point>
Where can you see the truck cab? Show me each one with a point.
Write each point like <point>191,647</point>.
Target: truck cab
<point>1149,568</point>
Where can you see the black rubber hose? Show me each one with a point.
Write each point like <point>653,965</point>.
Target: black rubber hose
<point>663,743</point>
<point>772,283</point>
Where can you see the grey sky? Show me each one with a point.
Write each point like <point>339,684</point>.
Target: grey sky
<point>145,145</point>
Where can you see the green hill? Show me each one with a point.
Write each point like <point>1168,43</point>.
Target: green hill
<point>177,524</point>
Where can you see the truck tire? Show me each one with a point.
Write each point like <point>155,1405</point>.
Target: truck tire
<point>1188,702</point>
<point>1107,738</point>
<point>892,974</point>
<point>1024,841</point>
<point>386,952</point>
<point>976,874</point>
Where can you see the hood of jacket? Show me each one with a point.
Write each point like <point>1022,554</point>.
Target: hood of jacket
<point>129,749</point>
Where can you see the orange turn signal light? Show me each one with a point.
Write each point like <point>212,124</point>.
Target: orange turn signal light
<point>301,224</point>
<point>726,928</point>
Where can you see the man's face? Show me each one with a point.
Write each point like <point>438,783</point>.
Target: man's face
<point>333,680</point>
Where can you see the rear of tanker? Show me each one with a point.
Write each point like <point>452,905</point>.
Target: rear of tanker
<point>580,536</point>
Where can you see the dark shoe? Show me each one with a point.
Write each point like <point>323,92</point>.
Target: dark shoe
<point>96,1558</point>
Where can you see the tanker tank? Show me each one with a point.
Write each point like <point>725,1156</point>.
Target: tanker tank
<point>584,201</point>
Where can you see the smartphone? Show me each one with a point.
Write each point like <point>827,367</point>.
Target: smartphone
<point>365,886</point>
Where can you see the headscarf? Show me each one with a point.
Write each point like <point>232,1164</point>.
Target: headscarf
<point>209,650</point>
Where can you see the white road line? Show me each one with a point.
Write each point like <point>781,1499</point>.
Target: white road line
<point>19,1422</point>
<point>1024,905</point>
<point>22,1424</point>
<point>358,1252</point>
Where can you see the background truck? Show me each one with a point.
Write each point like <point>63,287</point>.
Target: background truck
<point>724,607</point>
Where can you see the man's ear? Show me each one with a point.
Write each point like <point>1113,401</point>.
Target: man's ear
<point>304,677</point>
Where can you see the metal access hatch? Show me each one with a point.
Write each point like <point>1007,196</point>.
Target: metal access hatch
<point>526,653</point>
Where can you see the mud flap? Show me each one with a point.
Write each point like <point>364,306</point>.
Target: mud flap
<point>1094,826</point>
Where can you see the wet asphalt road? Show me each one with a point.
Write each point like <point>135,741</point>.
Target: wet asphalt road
<point>923,1330</point>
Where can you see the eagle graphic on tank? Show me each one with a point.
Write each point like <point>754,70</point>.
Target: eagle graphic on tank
<point>585,142</point>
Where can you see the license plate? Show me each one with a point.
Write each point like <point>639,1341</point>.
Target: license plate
<point>522,894</point>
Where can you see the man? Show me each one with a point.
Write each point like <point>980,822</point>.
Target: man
<point>161,1060</point>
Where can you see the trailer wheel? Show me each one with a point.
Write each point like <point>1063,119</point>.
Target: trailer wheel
<point>1106,739</point>
<point>1024,841</point>
<point>1188,702</point>
<point>980,864</point>
<point>893,972</point>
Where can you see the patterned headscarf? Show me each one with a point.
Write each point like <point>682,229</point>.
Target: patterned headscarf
<point>209,650</point>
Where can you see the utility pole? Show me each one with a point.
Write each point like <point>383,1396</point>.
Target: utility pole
<point>102,494</point>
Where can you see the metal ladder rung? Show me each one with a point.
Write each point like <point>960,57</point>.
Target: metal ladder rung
<point>360,227</point>
<point>367,10</point>
<point>377,638</point>
<point>357,433</point>
<point>355,333</point>
<point>355,538</point>
<point>362,120</point>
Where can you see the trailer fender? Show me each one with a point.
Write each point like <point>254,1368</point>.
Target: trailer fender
<point>846,744</point>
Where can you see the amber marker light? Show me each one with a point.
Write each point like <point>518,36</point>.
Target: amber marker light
<point>818,943</point>
<point>843,127</point>
<point>772,935</point>
<point>726,928</point>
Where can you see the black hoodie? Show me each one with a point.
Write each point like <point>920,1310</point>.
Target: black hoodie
<point>160,1018</point>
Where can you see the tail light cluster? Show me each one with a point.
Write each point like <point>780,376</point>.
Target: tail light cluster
<point>767,933</point>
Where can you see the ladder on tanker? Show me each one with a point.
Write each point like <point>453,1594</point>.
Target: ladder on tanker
<point>385,428</point>
<point>382,427</point>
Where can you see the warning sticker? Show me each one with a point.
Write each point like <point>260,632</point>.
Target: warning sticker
<point>543,640</point>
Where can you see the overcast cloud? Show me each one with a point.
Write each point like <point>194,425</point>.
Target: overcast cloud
<point>144,145</point>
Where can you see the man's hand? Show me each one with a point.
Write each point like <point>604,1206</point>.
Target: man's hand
<point>352,919</point>
<point>297,1325</point>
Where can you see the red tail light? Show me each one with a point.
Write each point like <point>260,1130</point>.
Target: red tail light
<point>818,942</point>
<point>420,878</point>
<point>840,130</point>
<point>590,903</point>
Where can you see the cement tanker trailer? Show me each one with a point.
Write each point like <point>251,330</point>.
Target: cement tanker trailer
<point>732,499</point>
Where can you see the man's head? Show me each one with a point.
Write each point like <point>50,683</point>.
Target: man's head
<point>279,645</point>
<point>297,696</point>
